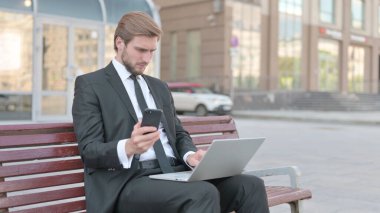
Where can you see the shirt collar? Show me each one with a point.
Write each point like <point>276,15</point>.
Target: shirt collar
<point>121,70</point>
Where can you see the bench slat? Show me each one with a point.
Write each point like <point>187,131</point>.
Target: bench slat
<point>208,120</point>
<point>33,183</point>
<point>39,139</point>
<point>202,129</point>
<point>42,167</point>
<point>41,197</point>
<point>19,128</point>
<point>42,153</point>
<point>280,194</point>
<point>58,208</point>
<point>201,140</point>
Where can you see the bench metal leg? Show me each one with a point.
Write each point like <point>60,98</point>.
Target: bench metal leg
<point>295,207</point>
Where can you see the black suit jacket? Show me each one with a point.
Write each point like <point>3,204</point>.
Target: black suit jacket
<point>103,114</point>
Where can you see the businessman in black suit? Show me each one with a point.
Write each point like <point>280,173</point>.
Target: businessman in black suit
<point>119,154</point>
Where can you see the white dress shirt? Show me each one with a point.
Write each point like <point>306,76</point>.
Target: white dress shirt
<point>124,75</point>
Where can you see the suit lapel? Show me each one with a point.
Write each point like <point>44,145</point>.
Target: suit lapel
<point>115,81</point>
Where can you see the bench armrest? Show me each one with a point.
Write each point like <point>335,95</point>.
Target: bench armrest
<point>292,171</point>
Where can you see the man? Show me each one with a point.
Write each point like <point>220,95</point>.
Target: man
<point>119,154</point>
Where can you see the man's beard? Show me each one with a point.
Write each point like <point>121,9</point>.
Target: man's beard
<point>129,66</point>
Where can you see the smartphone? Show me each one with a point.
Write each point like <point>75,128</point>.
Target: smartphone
<point>151,117</point>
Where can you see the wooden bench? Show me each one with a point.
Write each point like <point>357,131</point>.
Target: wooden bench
<point>41,171</point>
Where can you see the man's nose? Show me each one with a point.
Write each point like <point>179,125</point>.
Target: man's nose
<point>147,56</point>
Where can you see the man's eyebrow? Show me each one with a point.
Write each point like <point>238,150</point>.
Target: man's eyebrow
<point>145,49</point>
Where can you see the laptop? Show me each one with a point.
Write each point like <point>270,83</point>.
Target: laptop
<point>224,158</point>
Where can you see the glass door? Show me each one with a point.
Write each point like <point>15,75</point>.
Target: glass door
<point>66,51</point>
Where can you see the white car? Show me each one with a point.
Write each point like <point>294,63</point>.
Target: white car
<point>193,97</point>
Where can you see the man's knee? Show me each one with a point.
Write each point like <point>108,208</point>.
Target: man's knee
<point>206,191</point>
<point>255,194</point>
<point>203,197</point>
<point>252,182</point>
<point>255,180</point>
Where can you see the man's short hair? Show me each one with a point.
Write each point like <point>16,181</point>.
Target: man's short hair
<point>136,24</point>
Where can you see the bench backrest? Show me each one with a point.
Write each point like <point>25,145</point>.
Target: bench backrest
<point>40,167</point>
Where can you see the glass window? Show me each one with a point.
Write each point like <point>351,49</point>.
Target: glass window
<point>357,14</point>
<point>328,56</point>
<point>356,66</point>
<point>245,45</point>
<point>327,11</point>
<point>173,55</point>
<point>23,5</point>
<point>53,105</point>
<point>290,45</point>
<point>84,9</point>
<point>193,54</point>
<point>116,8</point>
<point>109,52</point>
<point>16,37</point>
<point>291,7</point>
<point>54,61</point>
<point>15,107</point>
<point>86,50</point>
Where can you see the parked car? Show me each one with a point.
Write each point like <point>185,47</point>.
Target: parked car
<point>7,103</point>
<point>194,97</point>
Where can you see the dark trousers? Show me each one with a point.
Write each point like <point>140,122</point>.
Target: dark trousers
<point>240,193</point>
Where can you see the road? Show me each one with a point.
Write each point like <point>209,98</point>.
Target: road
<point>339,163</point>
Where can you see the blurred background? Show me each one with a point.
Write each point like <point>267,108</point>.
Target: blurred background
<point>265,55</point>
<point>268,62</point>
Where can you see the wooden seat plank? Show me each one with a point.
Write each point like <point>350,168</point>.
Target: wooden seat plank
<point>201,140</point>
<point>202,129</point>
<point>39,182</point>
<point>208,120</point>
<point>42,167</point>
<point>38,139</point>
<point>58,208</point>
<point>41,197</point>
<point>25,127</point>
<point>41,153</point>
<point>280,194</point>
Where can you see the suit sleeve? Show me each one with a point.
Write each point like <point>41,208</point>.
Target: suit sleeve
<point>184,143</point>
<point>88,125</point>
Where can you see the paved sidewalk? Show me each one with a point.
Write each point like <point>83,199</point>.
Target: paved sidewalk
<point>365,118</point>
<point>339,162</point>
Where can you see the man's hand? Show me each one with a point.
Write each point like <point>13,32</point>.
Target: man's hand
<point>194,159</point>
<point>142,138</point>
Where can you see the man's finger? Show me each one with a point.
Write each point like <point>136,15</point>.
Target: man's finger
<point>137,125</point>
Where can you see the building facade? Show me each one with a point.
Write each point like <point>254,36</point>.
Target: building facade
<point>242,46</point>
<point>45,44</point>
<point>237,47</point>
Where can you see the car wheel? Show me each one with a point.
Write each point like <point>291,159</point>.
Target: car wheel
<point>201,110</point>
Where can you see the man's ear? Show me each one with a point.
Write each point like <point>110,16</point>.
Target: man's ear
<point>119,43</point>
